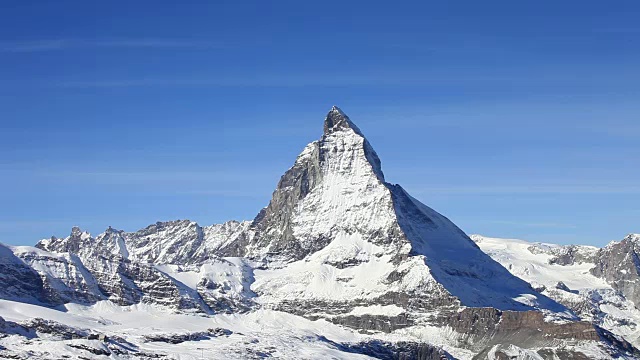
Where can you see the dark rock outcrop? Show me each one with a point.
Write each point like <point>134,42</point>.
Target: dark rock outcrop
<point>190,336</point>
<point>402,350</point>
<point>619,264</point>
<point>21,282</point>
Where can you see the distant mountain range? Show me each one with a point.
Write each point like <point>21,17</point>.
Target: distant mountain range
<point>340,264</point>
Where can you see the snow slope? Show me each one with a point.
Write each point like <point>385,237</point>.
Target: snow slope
<point>254,335</point>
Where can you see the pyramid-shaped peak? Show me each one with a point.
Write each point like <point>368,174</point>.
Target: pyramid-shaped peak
<point>337,119</point>
<point>335,199</point>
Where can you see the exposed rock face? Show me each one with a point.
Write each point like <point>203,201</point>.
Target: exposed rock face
<point>50,327</point>
<point>562,254</point>
<point>64,277</point>
<point>488,330</point>
<point>619,264</point>
<point>367,323</point>
<point>302,218</point>
<point>128,283</point>
<point>192,336</point>
<point>402,350</point>
<point>518,326</point>
<point>583,286</point>
<point>573,254</point>
<point>21,282</point>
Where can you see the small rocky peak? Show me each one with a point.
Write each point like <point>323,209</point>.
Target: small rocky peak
<point>77,234</point>
<point>76,231</point>
<point>112,231</point>
<point>336,119</point>
<point>635,238</point>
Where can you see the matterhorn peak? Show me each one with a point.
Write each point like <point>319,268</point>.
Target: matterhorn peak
<point>336,119</point>
<point>335,199</point>
<point>334,123</point>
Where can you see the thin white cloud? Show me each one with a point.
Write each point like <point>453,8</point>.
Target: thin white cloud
<point>34,46</point>
<point>279,80</point>
<point>524,189</point>
<point>618,30</point>
<point>67,44</point>
<point>124,177</point>
<point>365,78</point>
<point>154,43</point>
<point>535,224</point>
<point>223,193</point>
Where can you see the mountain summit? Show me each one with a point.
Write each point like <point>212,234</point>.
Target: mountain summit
<point>334,118</point>
<point>334,208</point>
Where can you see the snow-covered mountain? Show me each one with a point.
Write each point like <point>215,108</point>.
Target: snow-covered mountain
<point>599,285</point>
<point>343,263</point>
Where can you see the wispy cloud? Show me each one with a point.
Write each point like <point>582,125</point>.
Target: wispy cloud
<point>257,80</point>
<point>524,189</point>
<point>399,78</point>
<point>34,46</point>
<point>618,30</point>
<point>125,177</point>
<point>68,44</point>
<point>549,225</point>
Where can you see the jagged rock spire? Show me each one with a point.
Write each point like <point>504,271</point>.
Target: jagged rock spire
<point>336,119</point>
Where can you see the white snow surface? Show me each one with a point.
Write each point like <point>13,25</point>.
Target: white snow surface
<point>279,334</point>
<point>534,267</point>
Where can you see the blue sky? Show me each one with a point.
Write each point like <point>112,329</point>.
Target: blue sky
<point>514,119</point>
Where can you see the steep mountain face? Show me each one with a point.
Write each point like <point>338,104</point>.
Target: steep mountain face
<point>336,243</point>
<point>335,187</point>
<point>20,281</point>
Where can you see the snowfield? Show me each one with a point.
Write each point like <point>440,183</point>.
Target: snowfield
<point>261,332</point>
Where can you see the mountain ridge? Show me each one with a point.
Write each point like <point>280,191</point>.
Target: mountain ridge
<point>336,244</point>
